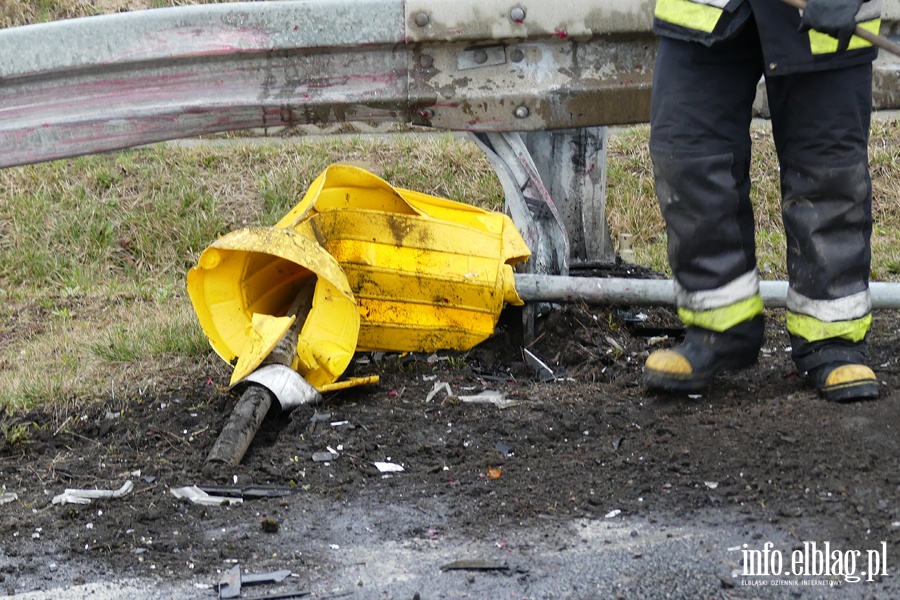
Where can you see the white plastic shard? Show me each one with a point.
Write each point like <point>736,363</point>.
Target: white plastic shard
<point>75,496</point>
<point>198,496</point>
<point>388,467</point>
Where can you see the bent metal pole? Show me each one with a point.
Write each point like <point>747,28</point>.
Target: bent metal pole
<point>656,292</point>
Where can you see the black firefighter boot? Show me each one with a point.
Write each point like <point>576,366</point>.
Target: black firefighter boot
<point>844,382</point>
<point>704,354</point>
<point>836,368</point>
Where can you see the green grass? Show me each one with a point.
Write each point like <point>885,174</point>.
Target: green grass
<point>94,250</point>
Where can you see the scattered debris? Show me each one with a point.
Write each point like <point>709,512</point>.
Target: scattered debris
<point>329,455</point>
<point>241,427</point>
<point>503,448</point>
<point>198,496</point>
<point>489,397</point>
<point>475,565</point>
<point>612,514</point>
<point>630,317</point>
<point>438,387</point>
<point>73,496</point>
<point>230,584</point>
<point>612,342</point>
<point>711,484</point>
<point>7,497</point>
<point>248,492</point>
<point>388,467</point>
<point>494,472</point>
<point>540,368</point>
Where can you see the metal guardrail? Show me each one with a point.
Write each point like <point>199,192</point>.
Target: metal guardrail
<point>100,83</point>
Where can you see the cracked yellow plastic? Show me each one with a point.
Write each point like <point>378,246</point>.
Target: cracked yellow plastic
<point>260,271</point>
<point>396,271</point>
<point>427,273</point>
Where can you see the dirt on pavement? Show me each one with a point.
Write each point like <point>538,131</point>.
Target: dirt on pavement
<point>759,445</point>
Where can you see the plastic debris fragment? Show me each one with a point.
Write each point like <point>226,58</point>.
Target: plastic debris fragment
<point>388,467</point>
<point>198,496</point>
<point>439,386</point>
<point>74,496</point>
<point>489,397</point>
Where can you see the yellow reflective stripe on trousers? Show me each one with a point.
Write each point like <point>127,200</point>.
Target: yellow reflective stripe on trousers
<point>685,13</point>
<point>720,319</point>
<point>822,43</point>
<point>814,330</point>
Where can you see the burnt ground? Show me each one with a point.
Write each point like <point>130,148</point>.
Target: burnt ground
<point>758,455</point>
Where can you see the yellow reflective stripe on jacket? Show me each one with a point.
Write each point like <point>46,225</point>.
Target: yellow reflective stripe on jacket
<point>720,319</point>
<point>822,43</point>
<point>686,13</point>
<point>814,330</point>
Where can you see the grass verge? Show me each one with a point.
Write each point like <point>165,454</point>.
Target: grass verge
<point>94,250</point>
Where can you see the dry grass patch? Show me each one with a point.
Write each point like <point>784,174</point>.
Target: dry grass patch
<point>26,12</point>
<point>95,250</point>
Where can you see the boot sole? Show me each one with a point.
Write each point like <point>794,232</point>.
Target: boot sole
<point>660,380</point>
<point>850,391</point>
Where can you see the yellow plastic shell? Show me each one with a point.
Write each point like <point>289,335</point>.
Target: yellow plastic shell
<point>260,271</point>
<point>395,270</point>
<point>427,273</point>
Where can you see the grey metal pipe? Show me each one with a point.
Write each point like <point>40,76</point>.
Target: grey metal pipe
<point>656,292</point>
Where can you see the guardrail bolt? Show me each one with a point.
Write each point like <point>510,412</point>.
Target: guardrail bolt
<point>521,112</point>
<point>427,114</point>
<point>517,55</point>
<point>422,19</point>
<point>426,61</point>
<point>517,14</point>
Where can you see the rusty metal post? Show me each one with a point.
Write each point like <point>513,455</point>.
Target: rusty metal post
<point>241,428</point>
<point>572,165</point>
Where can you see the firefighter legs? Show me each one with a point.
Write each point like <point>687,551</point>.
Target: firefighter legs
<point>700,146</point>
<point>821,123</point>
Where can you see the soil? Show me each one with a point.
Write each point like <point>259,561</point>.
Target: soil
<point>759,445</point>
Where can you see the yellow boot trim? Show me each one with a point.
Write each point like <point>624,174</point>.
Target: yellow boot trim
<point>669,362</point>
<point>849,375</point>
<point>726,317</point>
<point>814,330</point>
